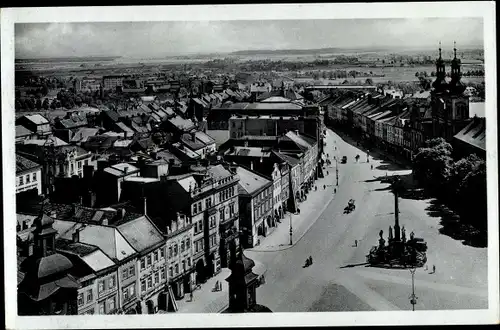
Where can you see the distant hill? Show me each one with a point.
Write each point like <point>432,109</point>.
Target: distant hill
<point>304,51</point>
<point>68,59</point>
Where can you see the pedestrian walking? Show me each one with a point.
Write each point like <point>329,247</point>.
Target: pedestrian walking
<point>356,243</point>
<point>371,166</point>
<point>335,190</point>
<point>191,296</point>
<point>433,269</point>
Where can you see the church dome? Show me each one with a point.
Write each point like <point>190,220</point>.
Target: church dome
<point>440,84</point>
<point>46,266</point>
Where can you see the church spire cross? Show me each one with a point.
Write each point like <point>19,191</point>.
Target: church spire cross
<point>440,49</point>
<point>455,48</point>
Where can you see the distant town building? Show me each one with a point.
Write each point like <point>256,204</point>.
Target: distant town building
<point>113,81</point>
<point>37,124</point>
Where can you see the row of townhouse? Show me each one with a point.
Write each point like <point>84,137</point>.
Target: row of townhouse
<point>198,214</point>
<point>393,124</point>
<point>275,175</point>
<point>120,261</point>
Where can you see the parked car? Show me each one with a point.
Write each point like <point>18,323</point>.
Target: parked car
<point>344,160</point>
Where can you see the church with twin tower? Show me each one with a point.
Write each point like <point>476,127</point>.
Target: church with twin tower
<point>450,107</point>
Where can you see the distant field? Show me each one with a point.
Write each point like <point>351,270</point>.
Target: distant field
<point>390,73</point>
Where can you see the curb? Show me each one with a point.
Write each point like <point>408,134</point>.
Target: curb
<point>223,309</point>
<point>300,237</point>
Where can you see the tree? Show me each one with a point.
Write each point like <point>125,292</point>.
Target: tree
<point>473,202</point>
<point>432,164</point>
<point>46,104</point>
<point>30,104</point>
<point>458,171</point>
<point>45,89</point>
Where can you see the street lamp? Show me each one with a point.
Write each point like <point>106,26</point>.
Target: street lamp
<point>413,297</point>
<point>291,230</point>
<point>337,170</point>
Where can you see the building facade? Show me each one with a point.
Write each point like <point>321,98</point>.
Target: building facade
<point>255,199</point>
<point>28,175</point>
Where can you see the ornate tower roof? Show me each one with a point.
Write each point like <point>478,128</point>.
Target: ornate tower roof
<point>440,83</point>
<point>456,85</point>
<point>46,271</point>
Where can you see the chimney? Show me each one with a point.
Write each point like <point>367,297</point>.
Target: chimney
<point>193,137</point>
<point>297,132</point>
<point>145,206</point>
<point>76,236</point>
<point>251,165</point>
<point>125,169</point>
<point>125,135</point>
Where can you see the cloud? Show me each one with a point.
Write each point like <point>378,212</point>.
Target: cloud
<point>135,39</point>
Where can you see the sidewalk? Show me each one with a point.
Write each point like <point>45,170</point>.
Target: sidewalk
<point>206,301</point>
<point>310,209</point>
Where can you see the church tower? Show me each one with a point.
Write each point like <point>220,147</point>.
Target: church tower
<point>440,85</point>
<point>450,108</point>
<point>457,87</point>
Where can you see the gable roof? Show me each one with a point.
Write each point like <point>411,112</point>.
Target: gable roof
<point>125,128</point>
<point>37,119</point>
<point>51,141</point>
<point>181,123</point>
<point>74,121</point>
<point>111,114</point>
<point>83,134</point>
<point>24,164</point>
<point>250,181</point>
<point>474,133</point>
<point>121,169</point>
<point>218,172</point>
<point>22,131</point>
<point>289,158</point>
<point>301,140</point>
<point>141,233</point>
<point>276,99</point>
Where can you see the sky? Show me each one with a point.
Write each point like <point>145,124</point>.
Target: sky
<point>156,39</point>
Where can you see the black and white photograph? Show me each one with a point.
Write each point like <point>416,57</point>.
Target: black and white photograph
<point>319,164</point>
